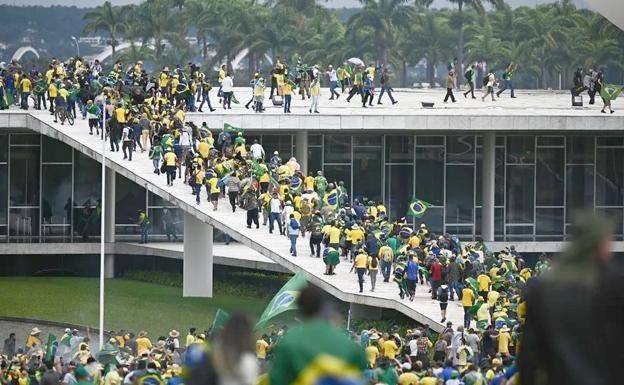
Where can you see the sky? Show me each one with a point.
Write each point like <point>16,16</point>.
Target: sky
<point>329,3</point>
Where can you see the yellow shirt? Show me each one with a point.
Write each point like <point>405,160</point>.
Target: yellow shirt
<point>414,241</point>
<point>214,185</point>
<point>48,75</point>
<point>360,262</point>
<point>221,75</point>
<point>369,264</point>
<point>203,148</point>
<point>199,177</point>
<point>390,349</point>
<point>64,93</point>
<point>32,341</point>
<point>429,381</point>
<point>503,342</point>
<point>371,353</point>
<point>25,85</point>
<point>383,250</point>
<point>334,236</point>
<point>408,378</point>
<point>484,282</point>
<point>297,215</point>
<point>357,235</point>
<point>190,340</point>
<point>120,114</point>
<point>170,158</point>
<point>143,345</point>
<point>261,349</point>
<point>287,89</point>
<point>309,182</point>
<point>467,297</point>
<point>52,91</point>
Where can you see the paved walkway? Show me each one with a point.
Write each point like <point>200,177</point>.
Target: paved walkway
<point>342,285</point>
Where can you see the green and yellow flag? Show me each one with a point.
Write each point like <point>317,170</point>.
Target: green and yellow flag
<point>231,129</point>
<point>474,285</point>
<point>417,208</point>
<point>51,346</point>
<point>610,91</point>
<point>284,300</point>
<point>220,318</point>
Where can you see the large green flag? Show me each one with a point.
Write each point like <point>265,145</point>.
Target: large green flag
<point>231,129</point>
<point>475,308</point>
<point>417,208</point>
<point>50,348</point>
<point>610,91</point>
<point>425,272</point>
<point>474,285</point>
<point>220,318</point>
<point>284,300</point>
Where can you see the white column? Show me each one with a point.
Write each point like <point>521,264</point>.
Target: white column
<point>109,222</point>
<point>487,194</point>
<point>301,150</point>
<point>197,270</point>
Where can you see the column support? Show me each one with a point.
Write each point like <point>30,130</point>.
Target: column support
<point>197,270</point>
<point>488,186</point>
<point>301,150</point>
<point>109,221</point>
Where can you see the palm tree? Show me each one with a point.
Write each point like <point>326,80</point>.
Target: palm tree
<point>484,45</point>
<point>434,40</point>
<point>108,19</point>
<point>160,24</point>
<point>386,18</point>
<point>477,5</point>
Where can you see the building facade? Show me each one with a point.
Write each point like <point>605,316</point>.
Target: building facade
<point>51,193</point>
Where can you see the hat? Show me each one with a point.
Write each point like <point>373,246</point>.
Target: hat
<point>449,323</point>
<point>67,330</point>
<point>496,361</point>
<point>142,333</point>
<point>406,366</point>
<point>174,334</point>
<point>275,152</point>
<point>355,227</point>
<point>35,331</point>
<point>374,336</point>
<point>504,328</point>
<point>80,372</point>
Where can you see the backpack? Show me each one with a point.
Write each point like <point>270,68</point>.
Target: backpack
<point>486,79</point>
<point>468,75</point>
<point>374,262</point>
<point>294,224</point>
<point>444,294</point>
<point>130,133</point>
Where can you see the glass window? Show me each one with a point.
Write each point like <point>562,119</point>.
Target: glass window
<point>550,171</point>
<point>156,200</point>
<point>87,180</point>
<point>520,194</point>
<point>579,190</point>
<point>86,221</point>
<point>609,177</point>
<point>129,199</point>
<point>367,170</point>
<point>53,150</point>
<point>367,140</point>
<point>616,217</point>
<point>430,175</point>
<point>163,218</point>
<point>24,184</point>
<point>499,177</point>
<point>430,141</point>
<point>460,149</point>
<point>549,221</point>
<point>520,149</point>
<point>56,190</point>
<point>519,233</point>
<point>25,139</point>
<point>550,140</point>
<point>281,143</point>
<point>23,223</point>
<point>580,149</point>
<point>315,159</point>
<point>337,149</point>
<point>399,186</point>
<point>609,141</point>
<point>315,140</point>
<point>459,194</point>
<point>499,223</point>
<point>4,148</point>
<point>4,192</point>
<point>433,218</point>
<point>336,173</point>
<point>463,232</point>
<point>399,149</point>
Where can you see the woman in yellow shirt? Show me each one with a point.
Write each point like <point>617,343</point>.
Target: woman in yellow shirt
<point>373,268</point>
<point>215,191</point>
<point>170,160</point>
<point>359,265</point>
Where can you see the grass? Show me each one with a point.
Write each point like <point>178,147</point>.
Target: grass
<point>130,305</point>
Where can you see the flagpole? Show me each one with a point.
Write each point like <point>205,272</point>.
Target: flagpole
<point>349,319</point>
<point>102,220</point>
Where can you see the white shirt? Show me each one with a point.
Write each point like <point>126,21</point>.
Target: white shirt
<point>227,85</point>
<point>288,209</point>
<point>257,151</point>
<point>275,205</point>
<point>125,134</point>
<point>333,77</point>
<point>185,138</point>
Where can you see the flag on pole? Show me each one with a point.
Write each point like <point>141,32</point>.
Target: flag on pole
<point>610,91</point>
<point>475,308</point>
<point>424,272</point>
<point>51,347</point>
<point>220,318</point>
<point>284,300</point>
<point>417,208</point>
<point>474,285</point>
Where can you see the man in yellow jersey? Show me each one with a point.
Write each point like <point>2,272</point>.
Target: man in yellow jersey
<point>359,265</point>
<point>215,191</point>
<point>52,94</point>
<point>170,160</point>
<point>25,86</point>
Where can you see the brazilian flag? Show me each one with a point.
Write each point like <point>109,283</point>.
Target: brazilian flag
<point>417,208</point>
<point>474,285</point>
<point>475,308</point>
<point>284,300</point>
<point>331,199</point>
<point>228,128</point>
<point>51,347</point>
<point>610,91</point>
<point>220,318</point>
<point>425,272</point>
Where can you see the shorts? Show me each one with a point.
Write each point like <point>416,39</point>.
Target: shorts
<point>214,196</point>
<point>443,305</point>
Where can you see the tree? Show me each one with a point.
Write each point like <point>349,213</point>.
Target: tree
<point>386,18</point>
<point>435,39</point>
<point>477,5</point>
<point>108,19</point>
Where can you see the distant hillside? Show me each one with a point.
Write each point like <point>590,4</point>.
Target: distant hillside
<point>48,28</point>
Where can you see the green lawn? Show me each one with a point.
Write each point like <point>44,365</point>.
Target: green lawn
<point>129,304</point>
